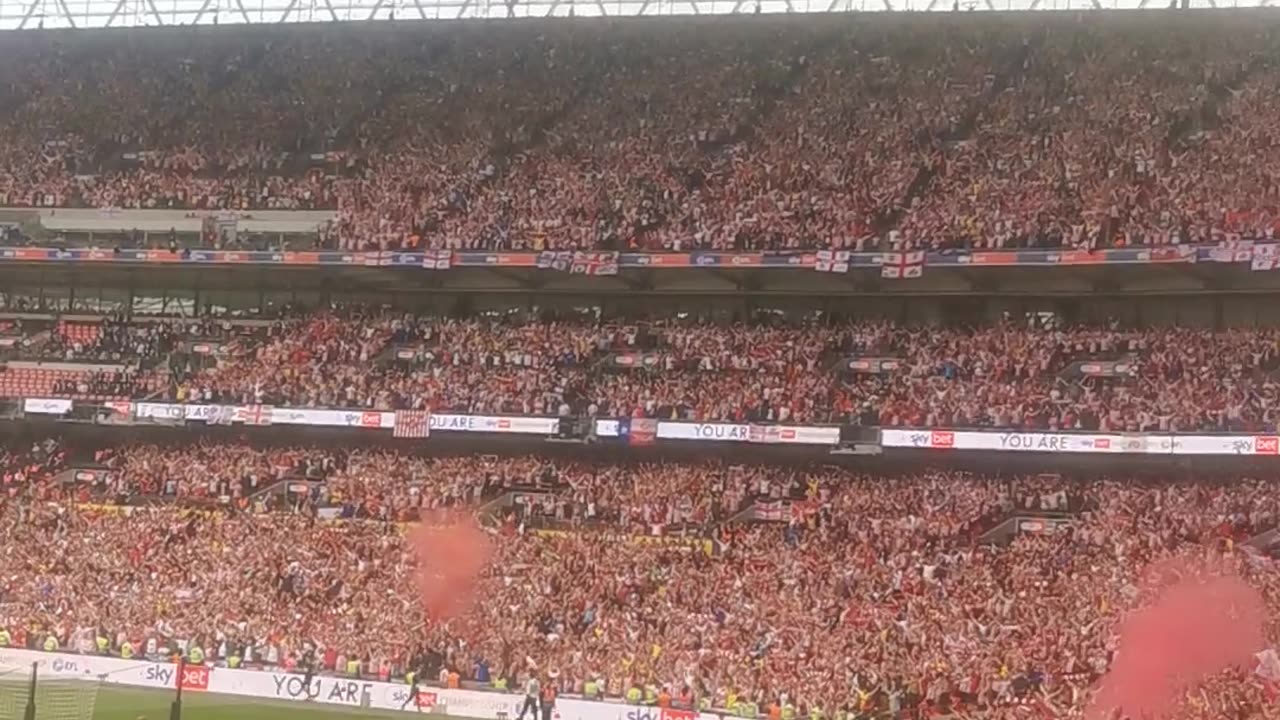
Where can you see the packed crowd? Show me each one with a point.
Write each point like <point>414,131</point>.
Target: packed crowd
<point>374,484</point>
<point>1003,376</point>
<point>778,134</point>
<point>1085,145</point>
<point>873,600</point>
<point>202,472</point>
<point>25,467</point>
<point>873,374</point>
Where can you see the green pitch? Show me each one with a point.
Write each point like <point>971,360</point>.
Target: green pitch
<point>121,703</point>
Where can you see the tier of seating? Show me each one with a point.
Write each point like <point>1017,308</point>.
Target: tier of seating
<point>107,358</point>
<point>740,133</point>
<point>104,340</point>
<point>874,374</point>
<point>61,383</point>
<point>1151,380</point>
<point>873,596</point>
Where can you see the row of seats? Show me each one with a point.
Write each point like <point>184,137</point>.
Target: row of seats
<point>1005,375</point>
<point>81,384</point>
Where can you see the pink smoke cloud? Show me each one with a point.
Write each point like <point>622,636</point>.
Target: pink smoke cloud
<point>451,552</point>
<point>1199,622</point>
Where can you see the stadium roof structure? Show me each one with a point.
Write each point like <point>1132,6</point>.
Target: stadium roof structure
<point>85,14</point>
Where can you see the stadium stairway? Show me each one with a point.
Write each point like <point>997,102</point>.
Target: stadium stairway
<point>1208,116</point>
<point>772,91</point>
<point>109,156</point>
<point>1264,542</point>
<point>888,218</point>
<point>533,134</point>
<point>537,132</point>
<point>381,93</point>
<point>768,94</point>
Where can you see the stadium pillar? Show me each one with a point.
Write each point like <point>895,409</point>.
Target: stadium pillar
<point>175,710</point>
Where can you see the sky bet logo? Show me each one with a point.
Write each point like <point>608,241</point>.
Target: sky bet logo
<point>425,699</point>
<point>162,675</point>
<point>195,677</point>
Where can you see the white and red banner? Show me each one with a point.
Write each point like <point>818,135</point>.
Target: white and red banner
<point>1232,250</point>
<point>412,424</point>
<point>750,433</point>
<point>437,259</point>
<point>369,419</point>
<point>604,262</point>
<point>924,439</point>
<point>831,261</point>
<point>1082,442</point>
<point>253,414</point>
<point>1265,257</point>
<point>594,263</point>
<point>644,431</point>
<point>899,266</point>
<point>555,260</point>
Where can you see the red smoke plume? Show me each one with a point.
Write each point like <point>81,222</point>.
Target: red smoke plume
<point>1199,622</point>
<point>451,552</point>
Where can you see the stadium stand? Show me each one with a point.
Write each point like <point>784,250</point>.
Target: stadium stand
<point>754,579</point>
<point>870,597</point>
<point>1003,376</point>
<point>778,134</point>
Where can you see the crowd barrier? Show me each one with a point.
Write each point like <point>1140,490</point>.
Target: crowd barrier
<point>324,689</point>
<point>816,435</point>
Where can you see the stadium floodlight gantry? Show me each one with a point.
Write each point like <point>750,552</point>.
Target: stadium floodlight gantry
<point>51,14</point>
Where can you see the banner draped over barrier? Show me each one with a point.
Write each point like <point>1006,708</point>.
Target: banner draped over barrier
<point>642,432</point>
<point>609,262</point>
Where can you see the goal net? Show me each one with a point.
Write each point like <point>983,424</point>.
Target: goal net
<point>24,688</point>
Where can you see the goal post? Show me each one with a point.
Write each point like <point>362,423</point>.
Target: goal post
<point>30,712</point>
<point>27,694</point>
<point>175,708</point>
